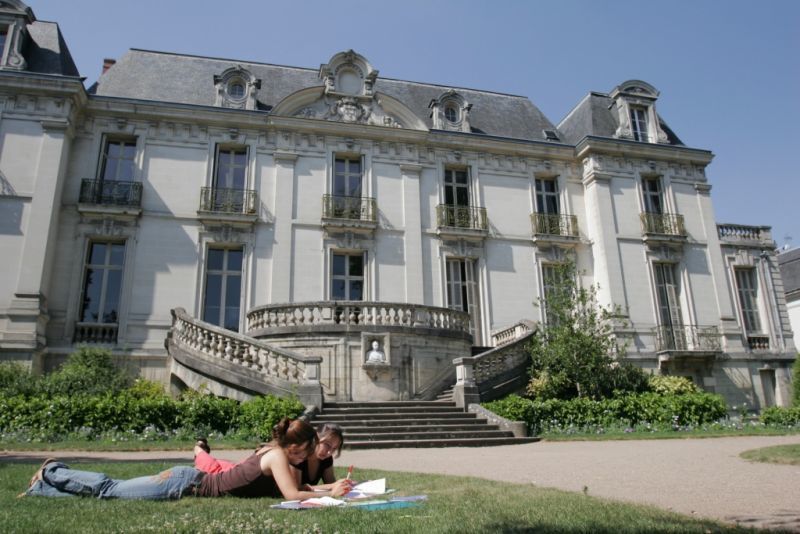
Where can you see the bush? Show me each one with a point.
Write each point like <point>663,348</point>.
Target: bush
<point>206,413</point>
<point>16,379</point>
<point>87,371</point>
<point>672,385</point>
<point>258,415</point>
<point>783,417</point>
<point>630,410</point>
<point>796,381</point>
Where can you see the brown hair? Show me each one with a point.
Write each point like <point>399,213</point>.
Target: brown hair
<point>294,432</point>
<point>332,429</point>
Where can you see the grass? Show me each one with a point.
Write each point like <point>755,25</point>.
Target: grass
<point>779,454</point>
<point>455,504</point>
<point>711,431</point>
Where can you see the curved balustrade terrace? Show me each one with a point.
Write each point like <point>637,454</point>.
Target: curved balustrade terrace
<point>354,316</point>
<point>241,362</point>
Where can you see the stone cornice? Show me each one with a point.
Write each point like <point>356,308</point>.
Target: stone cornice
<point>43,84</point>
<point>632,149</point>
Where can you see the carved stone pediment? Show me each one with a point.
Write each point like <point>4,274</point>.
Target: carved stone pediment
<point>351,110</point>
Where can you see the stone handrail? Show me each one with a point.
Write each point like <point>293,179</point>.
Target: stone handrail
<point>740,232</point>
<point>217,343</point>
<point>512,333</point>
<point>263,319</point>
<point>496,372</point>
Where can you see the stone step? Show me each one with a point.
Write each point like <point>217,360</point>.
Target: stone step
<point>421,426</point>
<point>456,442</point>
<point>404,422</point>
<point>350,437</point>
<point>391,410</point>
<point>409,416</point>
<point>386,404</point>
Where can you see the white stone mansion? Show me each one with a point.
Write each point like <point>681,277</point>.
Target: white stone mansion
<point>299,219</point>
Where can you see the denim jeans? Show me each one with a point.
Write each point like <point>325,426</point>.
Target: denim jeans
<point>58,480</point>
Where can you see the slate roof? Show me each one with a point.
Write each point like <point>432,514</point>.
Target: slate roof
<point>789,264</point>
<point>46,52</point>
<point>597,115</point>
<point>184,79</point>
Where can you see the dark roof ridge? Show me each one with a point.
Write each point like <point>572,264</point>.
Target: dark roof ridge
<point>213,58</point>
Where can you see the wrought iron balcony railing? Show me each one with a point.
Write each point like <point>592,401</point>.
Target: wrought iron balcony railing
<point>468,217</point>
<point>229,201</point>
<point>663,224</point>
<point>349,208</point>
<point>687,338</point>
<point>558,225</point>
<point>111,193</point>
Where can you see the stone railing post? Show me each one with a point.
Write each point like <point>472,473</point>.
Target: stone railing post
<point>465,392</point>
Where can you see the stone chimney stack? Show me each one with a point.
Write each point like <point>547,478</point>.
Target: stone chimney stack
<point>107,64</point>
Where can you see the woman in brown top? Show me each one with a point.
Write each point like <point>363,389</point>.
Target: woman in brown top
<point>268,472</point>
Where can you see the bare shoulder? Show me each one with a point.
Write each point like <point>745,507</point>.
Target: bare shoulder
<point>271,457</point>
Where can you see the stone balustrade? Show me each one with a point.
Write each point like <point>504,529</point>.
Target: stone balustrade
<point>195,336</point>
<point>512,333</point>
<point>333,315</point>
<point>742,234</point>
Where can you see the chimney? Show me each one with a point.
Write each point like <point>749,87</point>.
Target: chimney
<point>107,64</point>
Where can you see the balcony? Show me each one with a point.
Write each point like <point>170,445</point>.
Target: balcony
<point>349,214</point>
<point>554,228</point>
<point>110,198</point>
<point>758,342</point>
<point>746,236</point>
<point>461,222</point>
<point>103,333</point>
<point>687,340</point>
<point>231,206</point>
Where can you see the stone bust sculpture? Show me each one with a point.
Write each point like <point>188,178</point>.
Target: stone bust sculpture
<point>376,355</point>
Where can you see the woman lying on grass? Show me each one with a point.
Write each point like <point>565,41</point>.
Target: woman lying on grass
<point>266,473</point>
<point>317,466</point>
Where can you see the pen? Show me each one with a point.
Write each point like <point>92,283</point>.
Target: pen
<point>349,472</point>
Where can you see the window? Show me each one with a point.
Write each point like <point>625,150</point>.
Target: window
<point>3,34</point>
<point>347,177</point>
<point>451,113</point>
<point>747,289</point>
<point>118,160</point>
<point>456,187</point>
<point>553,277</point>
<point>669,308</point>
<point>651,191</point>
<point>236,90</point>
<point>102,283</point>
<point>639,124</point>
<point>462,292</point>
<point>228,194</point>
<point>547,196</point>
<point>347,276</point>
<point>223,287</point>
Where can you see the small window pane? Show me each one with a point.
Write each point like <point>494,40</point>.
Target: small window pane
<point>337,290</point>
<point>233,286</point>
<point>339,166</point>
<point>113,149</point>
<point>355,167</point>
<point>235,260</point>
<point>356,290</point>
<point>356,266</point>
<point>97,256</point>
<point>462,196</point>
<point>110,171</point>
<point>461,177</point>
<point>117,254</point>
<point>215,256</point>
<point>113,286</point>
<point>338,264</point>
<point>129,151</point>
<point>91,295</point>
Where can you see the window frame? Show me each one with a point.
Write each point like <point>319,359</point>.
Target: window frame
<point>106,268</point>
<point>640,127</point>
<point>748,299</point>
<point>467,288</point>
<point>649,195</point>
<point>347,277</point>
<point>124,142</point>
<point>347,177</point>
<point>546,200</point>
<point>231,150</point>
<point>451,186</point>
<point>224,273</point>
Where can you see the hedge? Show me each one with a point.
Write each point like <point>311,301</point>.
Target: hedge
<point>785,417</point>
<point>541,416</point>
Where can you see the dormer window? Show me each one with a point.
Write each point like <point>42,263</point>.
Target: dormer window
<point>14,18</point>
<point>450,112</point>
<point>236,88</point>
<point>639,124</point>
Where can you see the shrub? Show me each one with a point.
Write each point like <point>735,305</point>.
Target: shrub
<point>204,413</point>
<point>16,379</point>
<point>796,381</point>
<point>783,417</point>
<point>87,371</point>
<point>672,385</point>
<point>630,409</point>
<point>258,415</point>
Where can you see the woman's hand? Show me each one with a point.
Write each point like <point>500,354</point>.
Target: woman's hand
<point>341,487</point>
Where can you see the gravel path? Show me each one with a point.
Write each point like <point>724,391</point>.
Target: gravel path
<point>697,477</point>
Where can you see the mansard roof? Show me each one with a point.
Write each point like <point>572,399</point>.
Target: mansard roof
<point>46,52</point>
<point>596,115</point>
<point>789,263</point>
<point>185,79</point>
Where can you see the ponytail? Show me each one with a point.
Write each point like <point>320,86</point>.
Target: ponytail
<point>294,432</point>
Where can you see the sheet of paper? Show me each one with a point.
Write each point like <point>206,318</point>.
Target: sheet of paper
<point>367,489</point>
<point>322,501</point>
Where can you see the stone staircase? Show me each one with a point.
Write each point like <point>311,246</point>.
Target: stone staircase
<point>381,425</point>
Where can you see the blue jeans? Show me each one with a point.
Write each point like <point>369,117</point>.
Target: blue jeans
<point>58,480</point>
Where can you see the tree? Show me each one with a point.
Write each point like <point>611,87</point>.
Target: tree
<point>796,381</point>
<point>575,352</point>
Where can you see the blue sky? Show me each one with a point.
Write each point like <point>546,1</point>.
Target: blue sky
<point>728,70</point>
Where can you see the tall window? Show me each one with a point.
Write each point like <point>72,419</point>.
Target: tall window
<point>347,177</point>
<point>653,200</point>
<point>118,160</point>
<point>347,276</point>
<point>547,196</point>
<point>747,289</point>
<point>462,291</point>
<point>231,168</point>
<point>456,187</point>
<point>639,124</point>
<point>102,283</point>
<point>223,288</point>
<point>553,277</point>
<point>669,307</point>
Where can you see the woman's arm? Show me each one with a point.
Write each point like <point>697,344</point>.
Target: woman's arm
<point>275,464</point>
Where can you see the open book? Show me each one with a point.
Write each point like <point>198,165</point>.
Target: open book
<point>359,491</point>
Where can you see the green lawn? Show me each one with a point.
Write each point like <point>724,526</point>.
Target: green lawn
<point>779,454</point>
<point>455,504</point>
